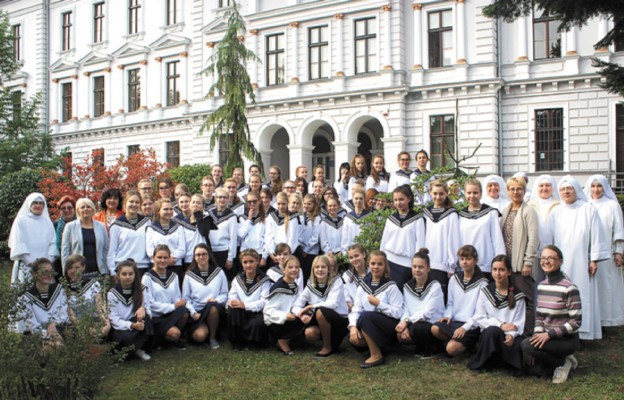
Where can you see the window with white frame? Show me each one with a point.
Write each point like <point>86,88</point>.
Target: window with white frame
<point>365,45</point>
<point>276,63</point>
<point>173,12</point>
<point>440,38</point>
<point>16,31</point>
<point>98,22</point>
<point>225,3</point>
<point>549,139</point>
<point>134,89</point>
<point>173,83</point>
<point>66,30</point>
<point>442,139</point>
<point>98,96</point>
<point>133,149</point>
<point>173,154</point>
<point>66,101</point>
<point>318,52</point>
<point>134,8</point>
<point>546,39</point>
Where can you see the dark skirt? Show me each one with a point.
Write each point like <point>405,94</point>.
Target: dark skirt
<point>132,337</point>
<point>180,271</point>
<point>470,338</point>
<point>288,330</point>
<point>221,257</point>
<point>246,327</point>
<point>306,266</point>
<point>165,322</point>
<point>400,274</point>
<point>193,325</point>
<point>338,325</point>
<point>380,327</point>
<point>493,352</point>
<point>443,279</point>
<point>423,339</point>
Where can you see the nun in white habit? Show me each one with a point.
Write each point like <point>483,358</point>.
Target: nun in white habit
<point>495,192</point>
<point>574,226</point>
<point>32,236</point>
<point>544,198</point>
<point>610,275</point>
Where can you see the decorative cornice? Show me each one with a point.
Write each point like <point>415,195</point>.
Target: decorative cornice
<point>75,76</point>
<point>121,66</point>
<point>339,16</point>
<point>386,8</point>
<point>417,6</point>
<point>253,32</point>
<point>184,54</point>
<point>294,24</point>
<point>107,69</point>
<point>158,59</point>
<point>143,62</point>
<point>210,45</point>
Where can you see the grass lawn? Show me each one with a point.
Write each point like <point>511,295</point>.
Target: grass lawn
<point>201,373</point>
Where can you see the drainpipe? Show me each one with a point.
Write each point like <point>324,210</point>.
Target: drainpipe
<point>499,75</point>
<point>45,115</point>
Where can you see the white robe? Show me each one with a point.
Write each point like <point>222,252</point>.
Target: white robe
<point>610,278</point>
<point>576,230</point>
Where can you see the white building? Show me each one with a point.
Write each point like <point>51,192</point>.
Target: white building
<point>336,77</point>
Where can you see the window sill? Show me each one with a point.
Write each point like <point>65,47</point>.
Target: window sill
<point>67,53</point>
<point>99,45</point>
<point>173,28</point>
<point>134,37</point>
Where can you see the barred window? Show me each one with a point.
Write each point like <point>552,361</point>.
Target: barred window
<point>173,77</point>
<point>549,139</point>
<point>134,89</point>
<point>173,154</point>
<point>98,96</point>
<point>442,136</point>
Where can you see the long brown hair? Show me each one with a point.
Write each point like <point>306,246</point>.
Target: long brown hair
<point>137,289</point>
<point>504,258</point>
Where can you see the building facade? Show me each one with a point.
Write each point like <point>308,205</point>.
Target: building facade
<point>333,78</point>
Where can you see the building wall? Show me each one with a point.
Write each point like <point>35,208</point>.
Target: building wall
<point>492,67</point>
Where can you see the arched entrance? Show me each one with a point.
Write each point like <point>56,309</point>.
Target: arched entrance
<point>323,152</point>
<point>280,153</point>
<point>369,140</point>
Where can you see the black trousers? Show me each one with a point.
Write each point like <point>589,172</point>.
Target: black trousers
<point>553,353</point>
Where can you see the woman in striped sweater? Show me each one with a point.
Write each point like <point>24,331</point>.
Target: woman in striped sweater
<point>558,318</point>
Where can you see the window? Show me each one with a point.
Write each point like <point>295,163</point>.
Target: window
<point>66,101</point>
<point>619,141</point>
<point>98,22</point>
<point>173,154</point>
<point>318,51</point>
<point>173,12</point>
<point>133,16</point>
<point>224,3</point>
<point>134,90</point>
<point>16,103</point>
<point>67,25</point>
<point>549,139</point>
<point>440,38</point>
<point>546,39</point>
<point>98,96</point>
<point>97,155</point>
<point>17,42</point>
<point>442,135</point>
<point>173,93</point>
<point>224,148</point>
<point>133,149</point>
<point>618,43</point>
<point>275,59</point>
<point>365,46</point>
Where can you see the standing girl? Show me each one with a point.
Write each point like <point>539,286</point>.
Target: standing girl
<point>354,275</point>
<point>246,300</point>
<point>310,238</point>
<point>442,233</point>
<point>322,307</point>
<point>352,221</point>
<point>167,306</point>
<point>282,323</point>
<point>223,239</point>
<point>318,175</point>
<point>129,310</point>
<point>282,227</point>
<point>358,171</point>
<point>376,311</point>
<point>500,315</point>
<point>252,228</point>
<point>479,226</point>
<point>205,290</point>
<point>379,177</point>
<point>330,230</point>
<point>402,175</point>
<point>165,230</point>
<point>192,235</point>
<point>423,305</point>
<point>457,328</point>
<point>403,233</point>
<point>127,236</point>
<point>342,184</point>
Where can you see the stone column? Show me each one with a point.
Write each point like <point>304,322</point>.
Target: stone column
<point>387,38</point>
<point>461,32</point>
<point>418,35</point>
<point>340,49</point>
<point>300,154</point>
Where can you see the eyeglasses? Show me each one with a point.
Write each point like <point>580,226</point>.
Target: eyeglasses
<point>163,187</point>
<point>548,259</point>
<point>289,187</point>
<point>252,201</point>
<point>66,208</point>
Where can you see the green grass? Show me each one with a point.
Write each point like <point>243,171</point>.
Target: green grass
<point>201,373</point>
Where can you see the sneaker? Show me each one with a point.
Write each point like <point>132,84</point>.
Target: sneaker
<point>428,356</point>
<point>214,344</point>
<point>573,361</point>
<point>142,355</point>
<point>179,345</point>
<point>562,372</point>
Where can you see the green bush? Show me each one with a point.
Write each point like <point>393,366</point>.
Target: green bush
<point>32,370</point>
<point>190,175</point>
<point>14,188</point>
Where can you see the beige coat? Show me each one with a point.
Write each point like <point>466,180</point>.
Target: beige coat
<point>525,239</point>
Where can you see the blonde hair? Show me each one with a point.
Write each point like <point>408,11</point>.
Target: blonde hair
<point>284,197</point>
<point>323,259</point>
<point>157,206</point>
<point>82,201</point>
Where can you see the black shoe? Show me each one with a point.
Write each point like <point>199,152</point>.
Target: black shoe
<point>377,363</point>
<point>319,355</point>
<point>179,345</point>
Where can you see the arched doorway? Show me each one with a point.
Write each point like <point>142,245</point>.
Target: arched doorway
<point>280,153</point>
<point>369,139</point>
<point>323,152</point>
